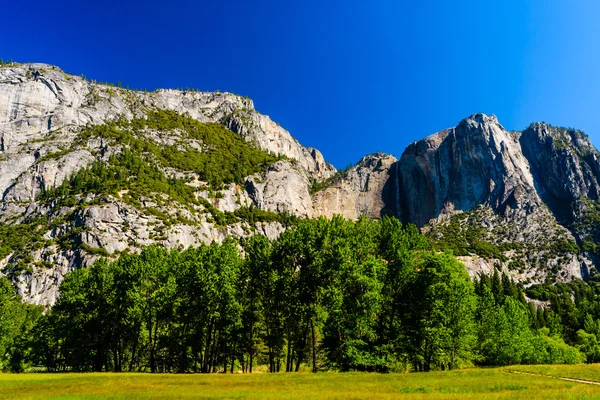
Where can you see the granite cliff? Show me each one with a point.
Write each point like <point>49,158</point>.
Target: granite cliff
<point>43,112</point>
<point>90,170</point>
<point>511,200</point>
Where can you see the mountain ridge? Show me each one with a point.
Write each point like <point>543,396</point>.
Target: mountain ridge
<point>523,202</point>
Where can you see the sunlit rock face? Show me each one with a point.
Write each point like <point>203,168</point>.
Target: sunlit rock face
<point>42,109</point>
<point>529,196</point>
<point>368,189</point>
<point>532,187</point>
<point>477,162</point>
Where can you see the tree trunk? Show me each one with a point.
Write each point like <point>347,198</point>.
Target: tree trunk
<point>314,345</point>
<point>278,363</point>
<point>195,351</point>
<point>302,348</point>
<point>116,359</point>
<point>133,351</point>
<point>288,361</point>
<point>150,342</point>
<point>250,362</point>
<point>183,358</point>
<point>207,348</point>
<point>232,358</point>
<point>213,353</point>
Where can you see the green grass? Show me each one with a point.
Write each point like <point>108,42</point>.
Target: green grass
<point>588,372</point>
<point>463,384</point>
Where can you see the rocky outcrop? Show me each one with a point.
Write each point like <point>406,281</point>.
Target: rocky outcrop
<point>514,189</point>
<point>269,135</point>
<point>42,110</point>
<point>41,107</point>
<point>368,189</point>
<point>281,188</point>
<point>45,174</point>
<point>564,165</point>
<point>477,162</point>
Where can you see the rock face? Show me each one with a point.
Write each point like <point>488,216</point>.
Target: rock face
<point>368,188</point>
<point>42,110</point>
<point>281,188</point>
<point>39,102</point>
<point>477,162</point>
<point>524,202</point>
<point>266,134</point>
<point>522,192</point>
<point>564,165</point>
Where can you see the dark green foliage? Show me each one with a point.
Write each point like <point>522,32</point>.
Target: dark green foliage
<point>580,289</point>
<point>464,236</point>
<point>317,295</point>
<point>571,305</point>
<point>587,223</point>
<point>54,156</point>
<point>327,294</point>
<point>16,322</point>
<point>253,214</point>
<point>564,246</point>
<point>219,217</point>
<point>137,170</point>
<point>317,186</point>
<point>22,238</point>
<point>513,332</point>
<point>100,251</point>
<point>589,214</point>
<point>7,63</point>
<point>224,158</point>
<point>123,171</point>
<point>442,313</point>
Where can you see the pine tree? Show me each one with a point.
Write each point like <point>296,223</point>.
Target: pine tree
<point>497,289</point>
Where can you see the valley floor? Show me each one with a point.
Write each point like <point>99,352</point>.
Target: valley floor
<point>498,383</point>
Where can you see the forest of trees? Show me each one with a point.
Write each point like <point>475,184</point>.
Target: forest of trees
<point>326,295</point>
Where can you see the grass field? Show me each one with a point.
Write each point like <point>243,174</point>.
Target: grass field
<point>464,384</point>
<point>578,371</point>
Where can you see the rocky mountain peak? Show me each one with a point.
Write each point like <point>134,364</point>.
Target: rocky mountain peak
<point>564,165</point>
<point>477,122</point>
<point>477,162</point>
<point>374,161</point>
<point>505,190</point>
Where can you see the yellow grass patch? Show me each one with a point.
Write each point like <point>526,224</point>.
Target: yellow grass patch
<point>464,384</point>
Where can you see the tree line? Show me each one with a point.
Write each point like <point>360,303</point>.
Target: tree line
<point>326,295</point>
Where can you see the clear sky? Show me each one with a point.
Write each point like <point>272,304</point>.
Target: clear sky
<point>347,77</point>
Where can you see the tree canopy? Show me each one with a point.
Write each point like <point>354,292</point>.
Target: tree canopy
<point>327,294</point>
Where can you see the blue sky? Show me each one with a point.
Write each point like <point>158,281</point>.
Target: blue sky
<point>347,77</point>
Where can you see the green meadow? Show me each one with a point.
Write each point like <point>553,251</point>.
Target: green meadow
<point>497,383</point>
<point>588,372</point>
